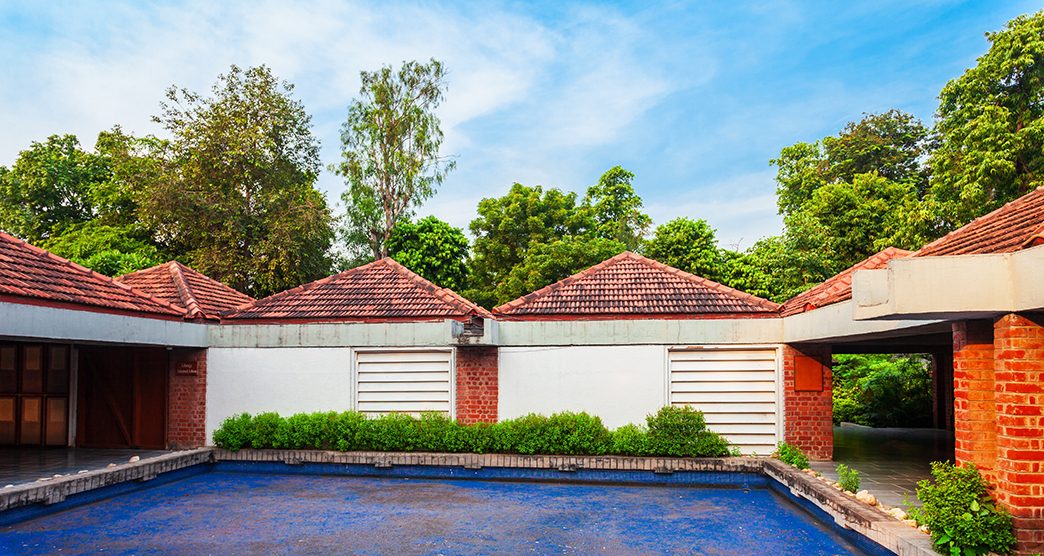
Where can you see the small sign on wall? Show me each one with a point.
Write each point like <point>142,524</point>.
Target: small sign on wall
<point>808,374</point>
<point>186,368</point>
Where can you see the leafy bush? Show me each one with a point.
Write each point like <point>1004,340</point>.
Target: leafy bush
<point>670,432</point>
<point>265,430</point>
<point>962,517</point>
<point>235,432</point>
<point>791,455</point>
<point>632,440</point>
<point>848,478</point>
<point>682,431</point>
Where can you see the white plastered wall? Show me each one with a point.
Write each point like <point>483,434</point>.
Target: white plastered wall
<point>284,380</point>
<point>620,384</point>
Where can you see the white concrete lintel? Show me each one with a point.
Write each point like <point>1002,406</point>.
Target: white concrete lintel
<point>951,287</point>
<point>49,323</point>
<point>835,322</point>
<point>386,334</point>
<point>641,332</point>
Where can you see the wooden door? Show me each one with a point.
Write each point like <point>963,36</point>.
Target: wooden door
<point>122,398</point>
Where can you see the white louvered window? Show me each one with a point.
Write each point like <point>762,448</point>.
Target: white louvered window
<point>736,389</point>
<point>403,381</point>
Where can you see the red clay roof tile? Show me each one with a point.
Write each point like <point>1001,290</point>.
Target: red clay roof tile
<point>200,295</point>
<point>381,290</point>
<point>838,288</point>
<point>31,272</point>
<point>630,285</point>
<point>1014,226</point>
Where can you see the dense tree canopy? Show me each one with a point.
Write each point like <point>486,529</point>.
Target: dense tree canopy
<point>433,249</point>
<point>689,245</point>
<point>991,127</point>
<point>237,194</point>
<point>390,151</point>
<point>49,188</point>
<point>617,209</point>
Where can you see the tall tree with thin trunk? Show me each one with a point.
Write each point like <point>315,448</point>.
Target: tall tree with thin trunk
<point>390,158</point>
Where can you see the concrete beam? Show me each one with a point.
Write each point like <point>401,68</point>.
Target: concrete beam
<point>835,323</point>
<point>398,334</point>
<point>641,332</point>
<point>49,323</point>
<point>951,287</point>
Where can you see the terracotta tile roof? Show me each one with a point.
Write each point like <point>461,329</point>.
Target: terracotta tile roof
<point>838,288</point>
<point>630,285</point>
<point>30,272</point>
<point>200,295</point>
<point>383,290</point>
<point>1015,226</point>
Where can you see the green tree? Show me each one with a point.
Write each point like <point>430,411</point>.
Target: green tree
<point>390,150</point>
<point>507,227</point>
<point>893,144</point>
<point>617,209</point>
<point>109,250</point>
<point>237,194</point>
<point>546,263</point>
<point>48,187</point>
<point>990,126</point>
<point>433,249</point>
<point>689,245</point>
<point>861,217</point>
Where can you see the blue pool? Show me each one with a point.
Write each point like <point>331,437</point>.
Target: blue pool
<point>232,511</point>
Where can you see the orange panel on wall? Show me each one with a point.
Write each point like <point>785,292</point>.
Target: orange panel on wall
<point>808,374</point>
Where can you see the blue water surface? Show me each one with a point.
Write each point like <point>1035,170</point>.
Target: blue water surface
<point>222,512</point>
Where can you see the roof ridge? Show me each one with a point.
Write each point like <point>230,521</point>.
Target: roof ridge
<point>41,252</point>
<point>506,308</point>
<point>1038,189</point>
<point>184,290</point>
<point>502,308</point>
<point>303,287</point>
<point>771,305</point>
<point>455,300</point>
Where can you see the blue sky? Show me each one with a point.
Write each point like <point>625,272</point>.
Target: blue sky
<point>694,98</point>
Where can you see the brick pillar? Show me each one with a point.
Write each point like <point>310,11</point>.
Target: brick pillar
<point>478,375</point>
<point>808,404</point>
<point>187,399</point>
<point>1019,381</point>
<point>974,417</point>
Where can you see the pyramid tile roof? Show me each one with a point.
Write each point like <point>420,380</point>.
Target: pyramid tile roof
<point>200,295</point>
<point>630,285</point>
<point>1014,226</point>
<point>383,290</point>
<point>31,273</point>
<point>839,287</point>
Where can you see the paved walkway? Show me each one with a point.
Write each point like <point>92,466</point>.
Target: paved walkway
<point>890,461</point>
<point>23,465</point>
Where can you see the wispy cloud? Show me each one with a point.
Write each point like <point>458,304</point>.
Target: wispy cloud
<point>693,99</point>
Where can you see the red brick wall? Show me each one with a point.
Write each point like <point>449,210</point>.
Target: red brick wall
<point>975,427</point>
<point>478,371</point>
<point>1019,381</point>
<point>808,415</point>
<point>187,404</point>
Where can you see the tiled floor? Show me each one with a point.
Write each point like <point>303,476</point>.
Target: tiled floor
<point>18,465</point>
<point>890,461</point>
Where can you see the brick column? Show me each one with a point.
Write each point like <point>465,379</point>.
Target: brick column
<point>187,399</point>
<point>808,404</point>
<point>974,417</point>
<point>1019,387</point>
<point>478,375</point>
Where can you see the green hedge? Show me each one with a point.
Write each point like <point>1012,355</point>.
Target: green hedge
<point>672,431</point>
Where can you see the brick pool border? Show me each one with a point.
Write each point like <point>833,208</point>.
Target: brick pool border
<point>870,522</point>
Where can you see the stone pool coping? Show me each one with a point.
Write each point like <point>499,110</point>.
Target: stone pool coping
<point>870,522</point>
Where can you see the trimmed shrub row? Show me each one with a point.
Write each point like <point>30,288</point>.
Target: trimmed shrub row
<point>672,431</point>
